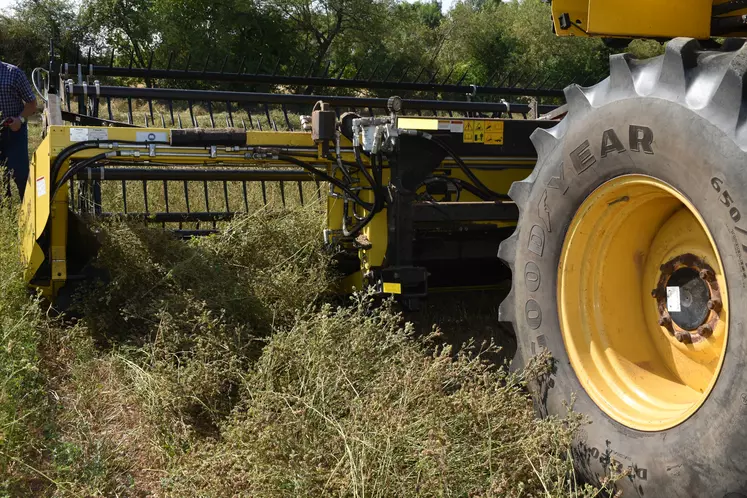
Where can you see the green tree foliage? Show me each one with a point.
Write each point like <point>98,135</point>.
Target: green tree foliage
<point>25,31</point>
<point>492,41</point>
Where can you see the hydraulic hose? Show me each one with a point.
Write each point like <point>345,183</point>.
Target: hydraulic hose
<point>486,191</point>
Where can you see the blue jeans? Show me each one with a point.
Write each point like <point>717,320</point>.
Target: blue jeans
<point>14,154</point>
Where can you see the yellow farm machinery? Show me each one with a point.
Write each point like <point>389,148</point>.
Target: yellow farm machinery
<point>415,188</point>
<point>621,222</point>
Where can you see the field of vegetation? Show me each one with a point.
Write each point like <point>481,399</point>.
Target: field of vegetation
<point>225,366</point>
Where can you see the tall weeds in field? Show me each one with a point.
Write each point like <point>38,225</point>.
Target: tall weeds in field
<point>190,317</point>
<point>347,403</point>
<point>217,367</point>
<point>23,407</point>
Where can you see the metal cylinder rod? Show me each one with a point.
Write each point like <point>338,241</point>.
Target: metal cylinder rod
<point>314,81</point>
<point>280,99</point>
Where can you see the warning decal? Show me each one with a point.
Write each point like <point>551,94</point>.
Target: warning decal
<point>41,186</point>
<point>488,132</point>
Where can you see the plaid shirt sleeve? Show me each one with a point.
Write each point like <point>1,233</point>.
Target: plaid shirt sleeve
<point>23,87</point>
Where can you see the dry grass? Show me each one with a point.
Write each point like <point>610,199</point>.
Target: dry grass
<point>219,367</point>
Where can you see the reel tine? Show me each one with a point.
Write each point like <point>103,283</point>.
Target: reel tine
<point>420,73</point>
<point>389,73</point>
<point>461,80</point>
<point>129,111</point>
<point>282,192</point>
<point>166,194</point>
<point>357,72</point>
<point>287,121</point>
<point>404,74</point>
<point>210,112</point>
<point>124,195</point>
<point>373,73</point>
<point>186,195</point>
<point>145,196</point>
<point>267,114</point>
<point>192,115</point>
<point>246,197</point>
<point>109,108</point>
<point>342,71</point>
<point>435,73</point>
<point>300,192</point>
<point>171,112</point>
<point>264,192</point>
<point>230,114</point>
<point>225,195</point>
<point>448,76</point>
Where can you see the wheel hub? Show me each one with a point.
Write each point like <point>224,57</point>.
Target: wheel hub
<point>688,298</point>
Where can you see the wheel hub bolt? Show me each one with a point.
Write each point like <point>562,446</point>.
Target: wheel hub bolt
<point>705,330</point>
<point>683,337</point>
<point>707,275</point>
<point>665,321</point>
<point>714,305</point>
<point>666,267</point>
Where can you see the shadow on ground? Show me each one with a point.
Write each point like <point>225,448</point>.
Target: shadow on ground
<point>467,315</point>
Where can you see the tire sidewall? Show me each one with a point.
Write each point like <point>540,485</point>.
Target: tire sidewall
<point>705,455</point>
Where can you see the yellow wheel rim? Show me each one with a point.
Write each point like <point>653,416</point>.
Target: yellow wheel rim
<point>632,241</point>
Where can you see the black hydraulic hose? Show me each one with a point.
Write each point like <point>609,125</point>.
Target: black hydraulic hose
<point>475,181</point>
<point>324,176</point>
<point>364,171</point>
<point>473,190</point>
<point>371,212</point>
<point>78,167</point>
<point>81,146</point>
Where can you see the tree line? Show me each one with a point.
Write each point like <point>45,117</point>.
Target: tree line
<point>495,42</point>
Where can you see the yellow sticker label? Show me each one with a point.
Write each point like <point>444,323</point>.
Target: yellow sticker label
<point>469,128</point>
<point>417,124</point>
<point>486,132</point>
<point>494,132</point>
<point>392,288</point>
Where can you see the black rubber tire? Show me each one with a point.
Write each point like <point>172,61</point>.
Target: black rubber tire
<point>693,103</point>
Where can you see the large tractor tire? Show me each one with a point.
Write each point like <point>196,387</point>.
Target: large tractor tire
<point>629,267</point>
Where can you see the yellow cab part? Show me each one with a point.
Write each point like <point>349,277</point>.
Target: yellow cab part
<point>635,18</point>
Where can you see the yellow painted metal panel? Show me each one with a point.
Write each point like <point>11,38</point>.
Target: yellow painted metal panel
<point>578,13</point>
<point>35,210</point>
<point>646,18</point>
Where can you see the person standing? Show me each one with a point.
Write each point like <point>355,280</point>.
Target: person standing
<point>17,104</point>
